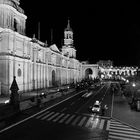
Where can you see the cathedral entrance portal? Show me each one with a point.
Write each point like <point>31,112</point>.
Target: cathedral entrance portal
<point>88,73</point>
<point>53,78</point>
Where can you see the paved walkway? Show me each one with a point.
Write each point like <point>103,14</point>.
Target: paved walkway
<point>122,112</point>
<point>30,94</point>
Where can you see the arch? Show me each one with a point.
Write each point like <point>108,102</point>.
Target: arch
<point>122,74</point>
<point>88,73</point>
<point>58,77</point>
<point>125,73</point>
<point>130,72</point>
<point>53,78</point>
<point>118,72</point>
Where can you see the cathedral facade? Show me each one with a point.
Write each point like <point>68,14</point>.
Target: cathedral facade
<point>35,64</point>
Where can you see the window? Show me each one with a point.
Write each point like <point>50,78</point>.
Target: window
<point>15,25</point>
<point>19,72</point>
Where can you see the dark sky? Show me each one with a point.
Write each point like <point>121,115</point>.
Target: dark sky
<point>101,32</point>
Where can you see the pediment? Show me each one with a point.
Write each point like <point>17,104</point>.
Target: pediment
<point>54,48</point>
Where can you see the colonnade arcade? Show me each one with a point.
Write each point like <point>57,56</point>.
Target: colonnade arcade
<point>117,72</point>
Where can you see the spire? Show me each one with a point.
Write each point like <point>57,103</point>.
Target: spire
<point>51,36</point>
<point>38,30</point>
<point>68,26</point>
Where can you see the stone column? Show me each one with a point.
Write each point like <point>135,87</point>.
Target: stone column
<point>24,66</point>
<point>14,50</point>
<point>1,17</point>
<point>12,22</point>
<point>47,73</point>
<point>67,72</point>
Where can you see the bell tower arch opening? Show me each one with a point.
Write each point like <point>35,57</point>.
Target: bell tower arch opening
<point>88,73</point>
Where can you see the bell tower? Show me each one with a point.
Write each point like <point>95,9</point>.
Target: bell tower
<point>68,35</point>
<point>68,48</point>
<point>12,16</point>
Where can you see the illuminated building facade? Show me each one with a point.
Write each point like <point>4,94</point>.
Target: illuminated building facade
<point>35,64</point>
<point>89,71</point>
<point>117,72</point>
<point>108,71</point>
<point>105,63</point>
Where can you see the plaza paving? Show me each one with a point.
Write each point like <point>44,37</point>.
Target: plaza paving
<point>123,112</point>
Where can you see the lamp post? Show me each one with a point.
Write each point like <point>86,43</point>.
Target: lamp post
<point>133,85</point>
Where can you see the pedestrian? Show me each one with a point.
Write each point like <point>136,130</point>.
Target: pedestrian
<point>103,109</point>
<point>39,102</point>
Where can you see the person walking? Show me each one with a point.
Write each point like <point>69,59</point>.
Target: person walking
<point>103,109</point>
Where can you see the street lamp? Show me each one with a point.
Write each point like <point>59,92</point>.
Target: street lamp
<point>133,85</point>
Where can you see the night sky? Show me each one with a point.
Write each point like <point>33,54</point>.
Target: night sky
<point>101,32</point>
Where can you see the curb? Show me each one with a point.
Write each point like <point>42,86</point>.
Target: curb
<point>27,118</point>
<point>126,123</point>
<point>27,104</point>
